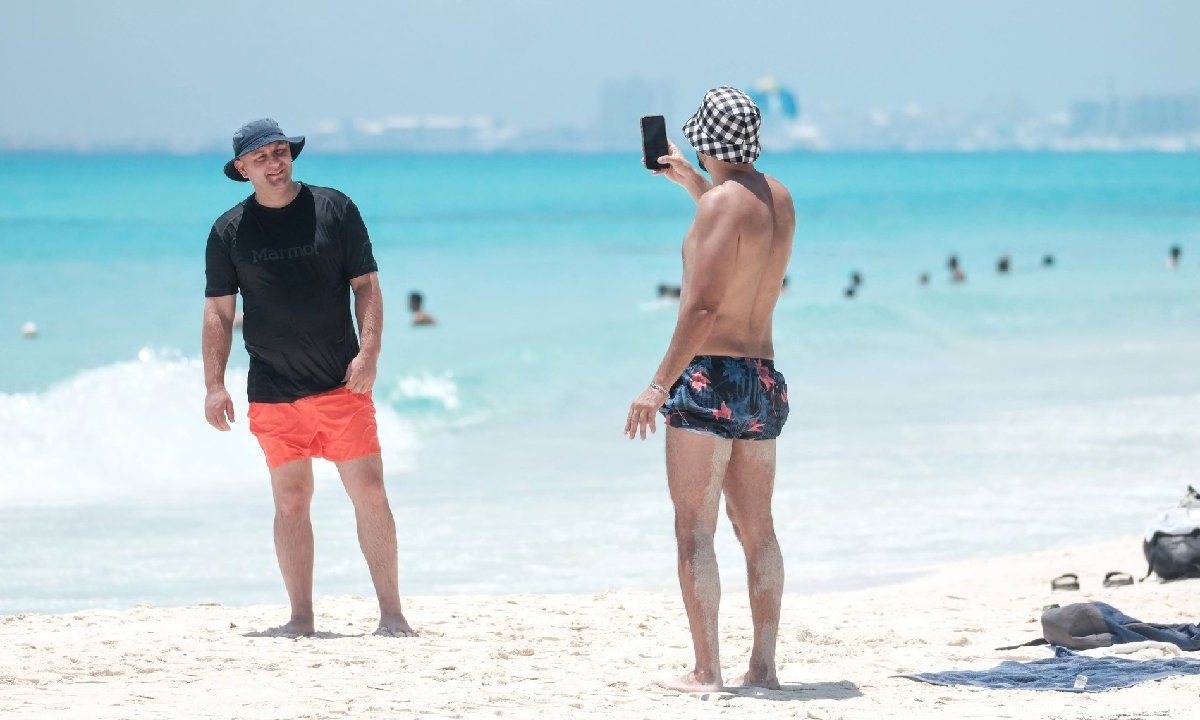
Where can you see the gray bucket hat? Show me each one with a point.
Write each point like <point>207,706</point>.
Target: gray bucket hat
<point>726,126</point>
<point>254,135</point>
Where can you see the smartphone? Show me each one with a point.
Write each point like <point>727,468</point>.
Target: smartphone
<point>654,141</point>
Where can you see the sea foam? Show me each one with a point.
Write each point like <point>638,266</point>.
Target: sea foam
<point>135,430</point>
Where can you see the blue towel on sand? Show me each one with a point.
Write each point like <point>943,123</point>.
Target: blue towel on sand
<point>1059,673</point>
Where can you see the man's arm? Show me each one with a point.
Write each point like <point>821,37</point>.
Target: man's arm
<point>368,310</point>
<point>710,269</point>
<point>681,172</point>
<point>216,340</point>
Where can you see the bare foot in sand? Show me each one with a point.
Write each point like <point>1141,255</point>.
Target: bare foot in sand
<point>692,682</point>
<point>760,680</point>
<point>296,627</point>
<point>395,626</point>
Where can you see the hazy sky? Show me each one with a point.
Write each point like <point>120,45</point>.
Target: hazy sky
<point>117,70</point>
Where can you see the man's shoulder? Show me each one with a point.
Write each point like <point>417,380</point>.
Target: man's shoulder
<point>778,189</point>
<point>734,198</point>
<point>725,199</point>
<point>231,218</point>
<point>329,196</point>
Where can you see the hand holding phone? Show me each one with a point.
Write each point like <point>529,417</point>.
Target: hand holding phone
<point>654,141</point>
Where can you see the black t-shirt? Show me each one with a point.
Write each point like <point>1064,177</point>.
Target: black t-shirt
<point>293,266</point>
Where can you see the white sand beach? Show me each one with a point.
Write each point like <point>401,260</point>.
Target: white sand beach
<point>588,656</point>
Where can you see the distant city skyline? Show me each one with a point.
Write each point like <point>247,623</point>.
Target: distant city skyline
<point>184,75</point>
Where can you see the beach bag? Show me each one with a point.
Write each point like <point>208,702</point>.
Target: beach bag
<point>1079,626</point>
<point>1172,541</point>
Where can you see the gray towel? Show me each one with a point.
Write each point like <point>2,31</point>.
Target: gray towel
<point>1060,673</point>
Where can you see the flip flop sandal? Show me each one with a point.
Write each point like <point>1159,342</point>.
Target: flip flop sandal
<point>1117,579</point>
<point>1066,581</point>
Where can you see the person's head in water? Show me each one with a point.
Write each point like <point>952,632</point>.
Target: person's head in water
<point>956,272</point>
<point>1003,264</point>
<point>923,278</point>
<point>1175,253</point>
<point>419,316</point>
<point>855,283</point>
<point>724,129</point>
<point>1047,260</point>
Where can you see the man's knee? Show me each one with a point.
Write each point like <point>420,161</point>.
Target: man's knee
<point>692,539</point>
<point>292,502</point>
<point>368,491</point>
<point>752,529</point>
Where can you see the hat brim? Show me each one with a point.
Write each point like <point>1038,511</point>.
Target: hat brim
<point>692,131</point>
<point>296,143</point>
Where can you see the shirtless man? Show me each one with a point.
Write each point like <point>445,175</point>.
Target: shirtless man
<point>717,388</point>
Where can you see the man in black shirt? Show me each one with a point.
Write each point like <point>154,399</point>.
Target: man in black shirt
<point>295,252</point>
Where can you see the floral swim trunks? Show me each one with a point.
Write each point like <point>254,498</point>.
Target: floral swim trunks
<point>731,397</point>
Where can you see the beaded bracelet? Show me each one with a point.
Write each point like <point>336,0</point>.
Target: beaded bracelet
<point>660,388</point>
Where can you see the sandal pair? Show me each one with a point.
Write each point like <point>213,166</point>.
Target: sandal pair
<point>1070,581</point>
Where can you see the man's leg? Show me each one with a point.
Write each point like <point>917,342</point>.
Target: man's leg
<point>695,468</point>
<point>748,486</point>
<point>292,489</point>
<point>363,479</point>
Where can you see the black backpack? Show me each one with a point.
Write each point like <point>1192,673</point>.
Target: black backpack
<point>1172,542</point>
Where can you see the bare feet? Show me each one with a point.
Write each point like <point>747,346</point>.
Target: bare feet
<point>762,680</point>
<point>395,626</point>
<point>693,682</point>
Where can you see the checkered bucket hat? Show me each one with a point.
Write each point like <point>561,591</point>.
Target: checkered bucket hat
<point>726,126</point>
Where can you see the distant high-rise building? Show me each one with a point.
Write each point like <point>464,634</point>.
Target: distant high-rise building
<point>1163,114</point>
<point>1146,118</point>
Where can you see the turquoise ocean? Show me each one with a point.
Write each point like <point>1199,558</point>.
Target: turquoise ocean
<point>1049,406</point>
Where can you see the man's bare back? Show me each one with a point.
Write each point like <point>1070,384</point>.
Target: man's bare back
<point>765,222</point>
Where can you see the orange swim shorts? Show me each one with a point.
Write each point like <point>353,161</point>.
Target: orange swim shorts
<point>338,425</point>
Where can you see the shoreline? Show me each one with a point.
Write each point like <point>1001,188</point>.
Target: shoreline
<point>820,585</point>
<point>593,655</point>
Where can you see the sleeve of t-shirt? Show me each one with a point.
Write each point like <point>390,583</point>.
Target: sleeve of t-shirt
<point>219,273</point>
<point>356,244</point>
